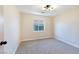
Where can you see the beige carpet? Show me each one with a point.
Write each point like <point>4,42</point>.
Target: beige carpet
<point>46,46</point>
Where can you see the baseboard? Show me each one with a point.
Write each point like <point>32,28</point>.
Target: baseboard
<point>16,47</point>
<point>70,43</point>
<point>36,38</point>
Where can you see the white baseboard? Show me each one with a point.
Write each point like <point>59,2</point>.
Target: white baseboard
<point>35,38</point>
<point>16,47</point>
<point>70,43</point>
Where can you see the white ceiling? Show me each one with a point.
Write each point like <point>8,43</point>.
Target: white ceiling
<point>36,9</point>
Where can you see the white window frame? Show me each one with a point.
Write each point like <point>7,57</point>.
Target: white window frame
<point>38,27</point>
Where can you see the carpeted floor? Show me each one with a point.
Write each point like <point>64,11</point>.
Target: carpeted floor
<point>46,46</point>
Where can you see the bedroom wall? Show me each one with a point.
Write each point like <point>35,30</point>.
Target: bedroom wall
<point>27,32</point>
<point>67,27</point>
<point>1,28</point>
<point>11,28</point>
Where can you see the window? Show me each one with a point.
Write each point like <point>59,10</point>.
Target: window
<point>38,26</point>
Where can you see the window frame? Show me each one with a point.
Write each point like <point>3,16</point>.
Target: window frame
<point>38,27</point>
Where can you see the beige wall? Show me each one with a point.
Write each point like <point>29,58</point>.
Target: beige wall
<point>11,28</point>
<point>67,27</point>
<point>1,23</point>
<point>27,32</point>
<point>1,28</point>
